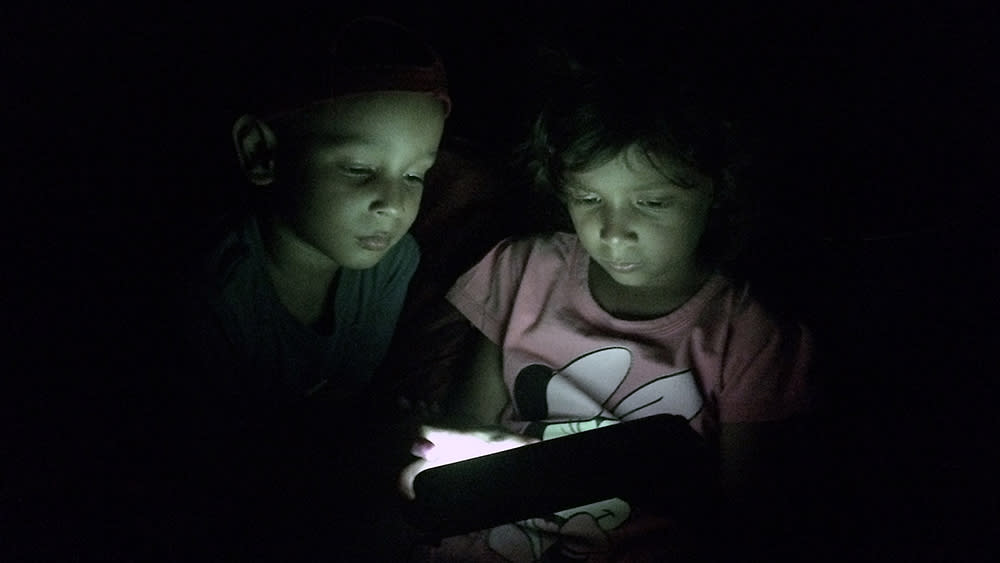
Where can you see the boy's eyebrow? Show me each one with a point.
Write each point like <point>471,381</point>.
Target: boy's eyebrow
<point>334,139</point>
<point>342,139</point>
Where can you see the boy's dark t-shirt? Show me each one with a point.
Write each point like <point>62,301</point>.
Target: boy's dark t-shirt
<point>252,350</point>
<point>274,418</point>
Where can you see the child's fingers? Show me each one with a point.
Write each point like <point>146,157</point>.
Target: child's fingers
<point>430,432</point>
<point>408,475</point>
<point>443,445</point>
<point>438,446</point>
<point>421,447</point>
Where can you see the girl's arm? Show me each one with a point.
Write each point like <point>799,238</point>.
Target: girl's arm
<point>760,476</point>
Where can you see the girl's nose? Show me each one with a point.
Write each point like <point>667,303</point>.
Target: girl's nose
<point>616,227</point>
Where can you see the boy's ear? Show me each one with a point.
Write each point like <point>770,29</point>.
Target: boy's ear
<point>255,142</point>
<point>716,196</point>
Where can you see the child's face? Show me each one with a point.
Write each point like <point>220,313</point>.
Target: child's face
<point>641,223</point>
<point>355,175</point>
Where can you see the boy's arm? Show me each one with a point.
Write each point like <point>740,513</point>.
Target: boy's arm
<point>471,416</point>
<point>480,397</point>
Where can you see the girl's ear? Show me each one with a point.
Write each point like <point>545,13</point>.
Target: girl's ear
<point>558,67</point>
<point>557,62</point>
<point>255,142</point>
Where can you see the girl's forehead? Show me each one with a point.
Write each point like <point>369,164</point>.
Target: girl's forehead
<point>660,161</point>
<point>640,167</point>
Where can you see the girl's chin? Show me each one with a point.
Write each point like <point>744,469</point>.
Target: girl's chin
<point>632,280</point>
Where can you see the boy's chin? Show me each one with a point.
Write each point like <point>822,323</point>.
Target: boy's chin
<point>363,262</point>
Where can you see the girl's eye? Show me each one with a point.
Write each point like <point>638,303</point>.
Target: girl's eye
<point>414,179</point>
<point>583,198</point>
<point>654,203</point>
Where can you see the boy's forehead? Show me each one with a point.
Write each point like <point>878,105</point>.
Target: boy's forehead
<point>411,122</point>
<point>353,115</point>
<point>318,118</point>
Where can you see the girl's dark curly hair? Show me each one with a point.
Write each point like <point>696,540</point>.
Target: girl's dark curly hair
<point>593,116</point>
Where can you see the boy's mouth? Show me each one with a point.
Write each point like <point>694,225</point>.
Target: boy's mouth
<point>376,243</point>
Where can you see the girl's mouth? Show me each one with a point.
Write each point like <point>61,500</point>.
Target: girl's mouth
<point>623,267</point>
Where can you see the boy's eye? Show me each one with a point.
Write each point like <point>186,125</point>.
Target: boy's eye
<point>357,171</point>
<point>414,179</point>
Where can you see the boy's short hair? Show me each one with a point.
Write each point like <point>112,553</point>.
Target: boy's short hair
<point>591,117</point>
<point>368,54</point>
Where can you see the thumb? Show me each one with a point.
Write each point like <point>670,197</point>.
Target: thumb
<point>409,475</point>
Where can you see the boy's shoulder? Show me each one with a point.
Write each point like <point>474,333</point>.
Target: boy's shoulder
<point>227,254</point>
<point>233,247</point>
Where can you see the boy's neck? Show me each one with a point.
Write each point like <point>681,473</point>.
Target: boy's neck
<point>302,277</point>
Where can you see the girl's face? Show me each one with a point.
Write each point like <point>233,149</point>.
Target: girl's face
<point>641,219</point>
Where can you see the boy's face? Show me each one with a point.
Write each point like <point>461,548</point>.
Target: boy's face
<point>641,222</point>
<point>352,170</point>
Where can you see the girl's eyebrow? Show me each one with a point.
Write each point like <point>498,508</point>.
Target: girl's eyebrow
<point>682,181</point>
<point>657,185</point>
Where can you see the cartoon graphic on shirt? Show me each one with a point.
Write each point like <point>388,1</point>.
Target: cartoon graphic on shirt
<point>575,399</point>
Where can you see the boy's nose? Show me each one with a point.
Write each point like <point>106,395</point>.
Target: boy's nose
<point>390,199</point>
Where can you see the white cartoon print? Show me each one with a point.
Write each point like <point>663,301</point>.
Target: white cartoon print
<point>575,399</point>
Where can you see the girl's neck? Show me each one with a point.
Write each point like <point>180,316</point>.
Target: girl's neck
<point>643,303</point>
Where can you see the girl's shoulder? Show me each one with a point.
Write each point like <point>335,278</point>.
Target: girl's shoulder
<point>731,297</point>
<point>556,246</point>
<point>536,259</point>
<point>733,308</point>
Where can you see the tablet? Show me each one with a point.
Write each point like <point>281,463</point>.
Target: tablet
<point>652,459</point>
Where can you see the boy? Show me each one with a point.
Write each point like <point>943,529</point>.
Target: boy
<point>298,304</point>
<point>307,292</point>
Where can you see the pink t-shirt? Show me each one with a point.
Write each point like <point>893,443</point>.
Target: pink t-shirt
<point>569,366</point>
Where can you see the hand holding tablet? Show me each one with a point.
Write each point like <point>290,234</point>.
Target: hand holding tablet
<point>473,480</point>
<point>442,446</point>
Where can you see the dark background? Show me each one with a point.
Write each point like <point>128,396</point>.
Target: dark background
<point>877,130</point>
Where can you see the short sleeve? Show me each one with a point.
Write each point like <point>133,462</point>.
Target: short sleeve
<point>485,293</point>
<point>767,371</point>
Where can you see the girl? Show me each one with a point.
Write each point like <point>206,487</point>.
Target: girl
<point>628,315</point>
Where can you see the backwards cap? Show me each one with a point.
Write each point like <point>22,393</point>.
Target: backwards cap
<point>372,54</point>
